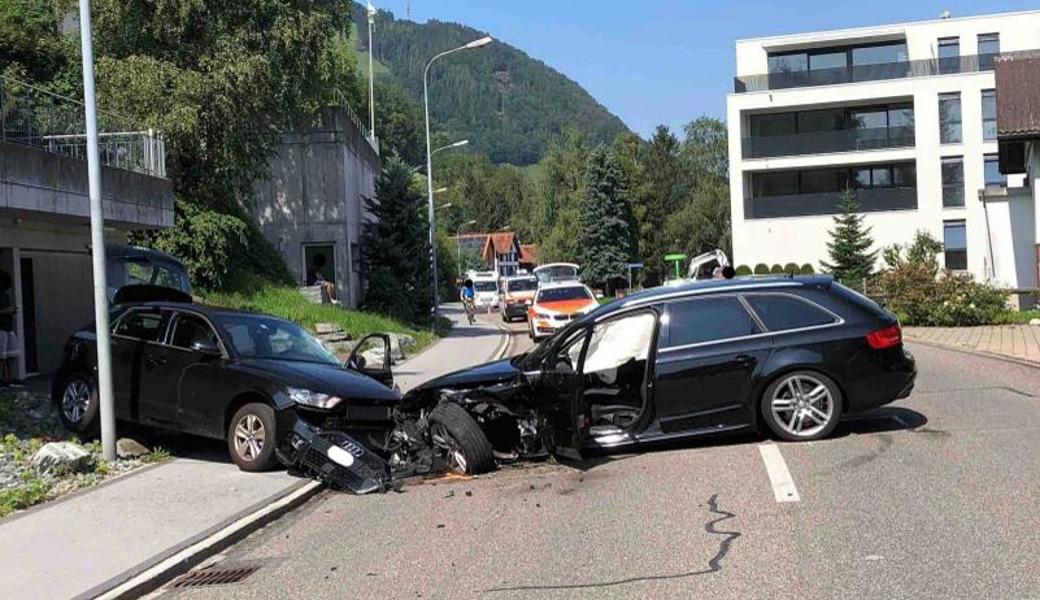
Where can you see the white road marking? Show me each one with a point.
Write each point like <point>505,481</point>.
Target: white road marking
<point>783,485</point>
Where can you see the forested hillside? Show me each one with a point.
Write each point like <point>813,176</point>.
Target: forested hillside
<point>509,105</point>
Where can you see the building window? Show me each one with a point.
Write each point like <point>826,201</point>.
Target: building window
<point>818,191</point>
<point>955,245</point>
<point>949,55</point>
<point>839,58</point>
<point>989,48</point>
<point>953,181</point>
<point>950,118</point>
<point>994,178</point>
<point>989,114</point>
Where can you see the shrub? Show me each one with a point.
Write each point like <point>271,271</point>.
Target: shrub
<point>776,269</point>
<point>761,269</point>
<point>743,270</point>
<point>792,269</point>
<point>919,294</point>
<point>807,269</point>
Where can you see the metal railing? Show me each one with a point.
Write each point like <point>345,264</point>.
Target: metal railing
<point>856,73</point>
<point>818,142</point>
<point>36,117</point>
<point>828,203</point>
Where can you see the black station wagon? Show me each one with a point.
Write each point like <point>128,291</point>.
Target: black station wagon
<point>790,353</point>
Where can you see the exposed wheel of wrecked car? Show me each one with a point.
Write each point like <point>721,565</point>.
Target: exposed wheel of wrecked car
<point>803,405</point>
<point>251,438</point>
<point>467,450</point>
<point>78,404</point>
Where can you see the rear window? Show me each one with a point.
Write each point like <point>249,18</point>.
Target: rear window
<point>564,293</point>
<point>522,285</point>
<point>708,320</point>
<point>781,312</point>
<point>143,325</point>
<point>485,286</point>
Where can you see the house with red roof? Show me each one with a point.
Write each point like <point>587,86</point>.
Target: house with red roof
<point>502,250</point>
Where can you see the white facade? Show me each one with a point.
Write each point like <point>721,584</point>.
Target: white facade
<point>773,229</point>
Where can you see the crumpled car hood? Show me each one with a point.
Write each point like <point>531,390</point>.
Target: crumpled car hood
<point>499,371</point>
<point>328,379</point>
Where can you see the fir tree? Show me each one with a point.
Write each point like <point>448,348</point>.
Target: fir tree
<point>605,221</point>
<point>852,260</point>
<point>396,247</point>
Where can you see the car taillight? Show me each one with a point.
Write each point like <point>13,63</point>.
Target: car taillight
<point>887,337</point>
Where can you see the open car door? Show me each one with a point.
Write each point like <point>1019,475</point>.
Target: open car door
<point>559,384</point>
<point>371,356</point>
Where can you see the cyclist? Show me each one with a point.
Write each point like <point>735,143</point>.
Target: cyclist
<point>466,295</point>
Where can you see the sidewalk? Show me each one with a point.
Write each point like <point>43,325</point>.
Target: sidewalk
<point>90,542</point>
<point>1019,342</point>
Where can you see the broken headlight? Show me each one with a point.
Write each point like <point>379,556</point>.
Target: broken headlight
<point>312,398</point>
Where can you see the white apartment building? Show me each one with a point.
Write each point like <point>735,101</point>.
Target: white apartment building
<point>904,115</point>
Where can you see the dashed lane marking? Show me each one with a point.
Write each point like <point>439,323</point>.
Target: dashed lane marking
<point>779,476</point>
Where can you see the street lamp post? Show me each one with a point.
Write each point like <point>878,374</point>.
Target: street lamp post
<point>484,41</point>
<point>97,241</point>
<point>371,75</point>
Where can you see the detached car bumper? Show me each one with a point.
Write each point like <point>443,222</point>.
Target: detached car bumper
<point>515,310</point>
<point>335,458</point>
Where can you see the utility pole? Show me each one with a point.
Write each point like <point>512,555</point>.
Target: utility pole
<point>371,75</point>
<point>97,241</point>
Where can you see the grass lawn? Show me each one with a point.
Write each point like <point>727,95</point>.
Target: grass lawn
<point>1021,316</point>
<point>257,295</point>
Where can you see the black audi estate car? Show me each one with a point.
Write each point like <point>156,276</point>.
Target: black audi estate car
<point>791,353</point>
<point>247,378</point>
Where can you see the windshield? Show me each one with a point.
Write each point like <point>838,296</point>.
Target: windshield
<point>548,274</point>
<point>142,271</point>
<point>485,286</point>
<point>255,336</point>
<point>564,293</point>
<point>522,285</point>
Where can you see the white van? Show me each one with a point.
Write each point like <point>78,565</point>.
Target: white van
<point>485,288</point>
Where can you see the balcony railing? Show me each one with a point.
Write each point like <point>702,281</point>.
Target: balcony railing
<point>800,205</point>
<point>36,117</point>
<point>820,142</point>
<point>857,73</point>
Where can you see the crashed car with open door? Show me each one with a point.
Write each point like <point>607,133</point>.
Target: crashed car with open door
<point>790,353</point>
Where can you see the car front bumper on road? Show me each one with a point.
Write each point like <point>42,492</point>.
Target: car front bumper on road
<point>513,310</point>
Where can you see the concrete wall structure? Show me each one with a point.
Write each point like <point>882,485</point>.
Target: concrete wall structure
<point>802,238</point>
<point>45,239</point>
<point>314,195</point>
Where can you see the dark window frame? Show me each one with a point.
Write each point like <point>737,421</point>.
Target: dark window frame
<point>992,159</point>
<point>666,344</point>
<point>847,172</point>
<point>846,49</point>
<point>989,135</point>
<point>953,189</point>
<point>957,256</point>
<point>176,321</point>
<point>949,121</point>
<point>749,297</point>
<point>163,330</point>
<point>847,121</point>
<point>984,38</point>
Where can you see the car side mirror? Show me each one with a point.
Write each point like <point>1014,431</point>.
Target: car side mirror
<point>205,347</point>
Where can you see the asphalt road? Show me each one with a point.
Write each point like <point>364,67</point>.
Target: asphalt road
<point>937,496</point>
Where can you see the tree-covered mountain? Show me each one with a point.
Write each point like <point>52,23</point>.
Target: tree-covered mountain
<point>509,105</point>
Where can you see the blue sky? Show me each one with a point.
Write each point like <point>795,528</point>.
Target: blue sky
<point>667,61</point>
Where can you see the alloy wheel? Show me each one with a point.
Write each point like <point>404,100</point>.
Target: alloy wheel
<point>75,400</point>
<point>249,437</point>
<point>453,453</point>
<point>802,405</point>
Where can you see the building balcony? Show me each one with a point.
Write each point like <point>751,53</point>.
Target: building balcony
<point>860,73</point>
<point>822,142</point>
<point>800,205</point>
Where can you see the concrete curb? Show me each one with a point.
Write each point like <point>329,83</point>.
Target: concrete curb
<point>974,352</point>
<point>136,582</point>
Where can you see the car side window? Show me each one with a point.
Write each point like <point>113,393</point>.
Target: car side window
<point>781,312</point>
<point>618,342</point>
<point>191,329</point>
<point>145,325</point>
<point>708,320</point>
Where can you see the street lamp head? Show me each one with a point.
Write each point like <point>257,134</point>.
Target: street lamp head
<point>445,205</point>
<point>484,41</point>
<point>440,190</point>
<point>459,144</point>
<point>470,222</point>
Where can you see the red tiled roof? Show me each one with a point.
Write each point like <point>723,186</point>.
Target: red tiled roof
<point>503,242</point>
<point>1018,95</point>
<point>529,253</point>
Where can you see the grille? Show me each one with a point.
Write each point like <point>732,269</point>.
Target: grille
<point>213,576</point>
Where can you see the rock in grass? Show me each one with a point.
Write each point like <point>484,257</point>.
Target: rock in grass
<point>1034,322</point>
<point>130,448</point>
<point>62,457</point>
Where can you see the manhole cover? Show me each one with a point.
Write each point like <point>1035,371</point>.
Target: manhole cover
<point>213,576</point>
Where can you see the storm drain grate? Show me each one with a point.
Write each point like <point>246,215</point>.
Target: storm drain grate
<point>211,576</point>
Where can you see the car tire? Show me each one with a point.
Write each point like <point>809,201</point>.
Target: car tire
<point>78,404</point>
<point>802,406</point>
<point>454,430</point>
<point>252,438</point>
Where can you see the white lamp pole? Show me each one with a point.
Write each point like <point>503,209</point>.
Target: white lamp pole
<point>371,75</point>
<point>97,241</point>
<point>484,41</point>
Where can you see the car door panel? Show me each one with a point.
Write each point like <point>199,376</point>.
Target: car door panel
<point>196,373</point>
<point>133,335</point>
